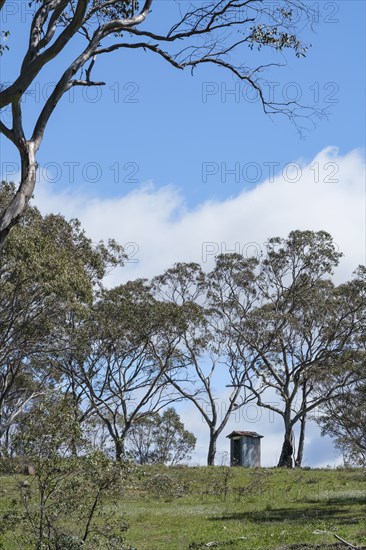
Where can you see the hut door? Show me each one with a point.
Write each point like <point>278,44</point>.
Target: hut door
<point>236,452</point>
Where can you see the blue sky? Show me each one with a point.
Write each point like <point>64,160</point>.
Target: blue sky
<point>177,168</point>
<point>164,124</point>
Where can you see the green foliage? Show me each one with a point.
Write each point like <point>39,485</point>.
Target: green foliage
<point>120,9</point>
<point>278,34</point>
<point>222,486</point>
<point>50,271</point>
<point>345,420</point>
<point>288,326</point>
<point>271,36</point>
<point>127,352</point>
<point>60,506</point>
<point>284,512</point>
<point>164,485</point>
<point>344,417</point>
<point>49,433</point>
<point>105,11</point>
<point>160,439</point>
<point>173,442</point>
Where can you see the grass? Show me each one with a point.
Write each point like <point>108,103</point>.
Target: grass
<point>247,509</point>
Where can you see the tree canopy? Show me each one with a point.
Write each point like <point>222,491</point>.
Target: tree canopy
<point>48,270</point>
<point>218,340</point>
<point>160,439</point>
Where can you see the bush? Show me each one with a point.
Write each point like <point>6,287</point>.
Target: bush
<point>163,485</point>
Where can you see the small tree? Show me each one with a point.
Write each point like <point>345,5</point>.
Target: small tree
<point>62,502</point>
<point>345,420</point>
<point>160,439</point>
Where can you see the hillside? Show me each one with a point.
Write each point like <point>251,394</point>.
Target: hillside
<point>220,507</point>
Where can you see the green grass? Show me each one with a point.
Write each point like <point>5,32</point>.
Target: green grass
<point>182,508</point>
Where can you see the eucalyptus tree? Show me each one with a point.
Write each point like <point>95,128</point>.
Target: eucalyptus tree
<point>160,439</point>
<point>48,269</point>
<point>205,362</point>
<point>344,418</point>
<point>301,332</point>
<point>219,33</point>
<point>62,504</point>
<point>123,354</point>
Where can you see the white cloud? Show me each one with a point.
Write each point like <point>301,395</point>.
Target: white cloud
<point>162,230</point>
<point>159,230</point>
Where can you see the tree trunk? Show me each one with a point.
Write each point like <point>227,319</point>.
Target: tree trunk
<point>5,450</point>
<point>120,442</point>
<point>212,448</point>
<point>10,216</point>
<point>120,449</point>
<point>287,452</point>
<point>300,450</point>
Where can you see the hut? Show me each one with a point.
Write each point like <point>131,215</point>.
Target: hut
<point>245,449</point>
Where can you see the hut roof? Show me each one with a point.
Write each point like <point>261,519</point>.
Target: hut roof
<point>247,434</point>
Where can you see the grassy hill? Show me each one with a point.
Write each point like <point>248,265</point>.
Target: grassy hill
<point>236,508</point>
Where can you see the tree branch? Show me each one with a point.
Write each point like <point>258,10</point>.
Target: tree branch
<point>8,133</point>
<point>17,121</point>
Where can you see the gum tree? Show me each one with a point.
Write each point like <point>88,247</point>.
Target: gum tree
<point>121,356</point>
<point>302,332</point>
<point>48,270</point>
<point>160,439</point>
<point>205,356</point>
<point>344,418</point>
<point>62,505</point>
<point>216,33</point>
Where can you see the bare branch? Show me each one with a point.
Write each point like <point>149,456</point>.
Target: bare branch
<point>32,63</point>
<point>17,121</point>
<point>209,34</point>
<point>141,45</point>
<point>78,82</point>
<point>51,29</point>
<point>117,25</point>
<point>347,543</point>
<point>8,133</point>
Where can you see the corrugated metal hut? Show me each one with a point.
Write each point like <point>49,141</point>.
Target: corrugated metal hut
<point>245,449</point>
